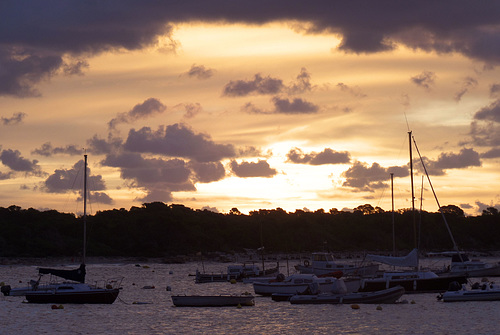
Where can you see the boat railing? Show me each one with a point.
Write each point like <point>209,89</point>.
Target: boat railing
<point>111,283</point>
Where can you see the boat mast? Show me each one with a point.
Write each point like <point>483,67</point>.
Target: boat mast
<point>455,246</point>
<point>393,229</point>
<point>84,208</point>
<point>412,193</point>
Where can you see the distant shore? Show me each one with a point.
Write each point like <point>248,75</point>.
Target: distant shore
<point>209,257</point>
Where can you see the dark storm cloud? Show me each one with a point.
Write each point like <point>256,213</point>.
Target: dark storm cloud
<point>178,141</point>
<point>63,181</point>
<point>251,169</point>
<point>14,160</point>
<point>149,107</point>
<point>259,85</point>
<point>425,79</point>
<point>15,119</point>
<point>327,156</point>
<point>362,177</point>
<point>36,35</point>
<point>47,149</point>
<point>200,72</point>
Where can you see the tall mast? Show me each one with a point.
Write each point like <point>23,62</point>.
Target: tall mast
<point>412,193</point>
<point>84,209</point>
<point>393,229</point>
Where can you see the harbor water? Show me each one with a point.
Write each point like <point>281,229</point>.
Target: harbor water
<point>144,306</point>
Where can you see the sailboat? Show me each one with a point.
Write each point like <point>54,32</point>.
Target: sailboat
<point>413,281</point>
<point>76,291</point>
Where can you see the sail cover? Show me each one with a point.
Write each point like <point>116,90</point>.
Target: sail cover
<point>75,275</point>
<point>410,260</point>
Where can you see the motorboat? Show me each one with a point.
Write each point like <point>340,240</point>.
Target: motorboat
<point>387,296</point>
<point>323,263</point>
<point>477,292</point>
<point>298,283</point>
<point>213,300</point>
<point>474,268</point>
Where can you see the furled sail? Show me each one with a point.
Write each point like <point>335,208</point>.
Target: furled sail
<point>410,260</point>
<point>75,275</point>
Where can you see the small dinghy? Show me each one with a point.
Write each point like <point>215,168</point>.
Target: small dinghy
<point>477,292</point>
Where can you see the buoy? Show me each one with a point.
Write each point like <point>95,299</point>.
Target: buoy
<point>413,302</point>
<point>171,272</point>
<point>239,306</point>
<point>169,288</point>
<point>379,308</point>
<point>145,267</point>
<point>57,307</point>
<point>355,306</point>
<point>233,281</point>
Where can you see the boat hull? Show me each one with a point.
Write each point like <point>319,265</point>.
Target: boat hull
<point>348,270</point>
<point>473,295</point>
<point>425,285</point>
<point>95,296</point>
<point>212,301</point>
<point>388,296</point>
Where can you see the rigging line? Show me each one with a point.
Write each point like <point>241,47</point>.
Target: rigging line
<point>407,124</point>
<point>437,201</point>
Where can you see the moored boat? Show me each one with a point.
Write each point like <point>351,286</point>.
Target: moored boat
<point>477,292</point>
<point>77,291</point>
<point>387,296</point>
<point>323,263</point>
<point>474,268</point>
<point>235,272</point>
<point>213,300</point>
<point>299,283</point>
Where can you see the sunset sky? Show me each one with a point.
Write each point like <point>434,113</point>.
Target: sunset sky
<point>249,104</point>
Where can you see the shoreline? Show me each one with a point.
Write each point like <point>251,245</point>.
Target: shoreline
<point>217,257</point>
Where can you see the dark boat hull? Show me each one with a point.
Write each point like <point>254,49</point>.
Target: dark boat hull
<point>427,285</point>
<point>104,296</point>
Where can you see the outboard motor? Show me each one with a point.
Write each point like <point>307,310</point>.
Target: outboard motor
<point>5,289</point>
<point>454,286</point>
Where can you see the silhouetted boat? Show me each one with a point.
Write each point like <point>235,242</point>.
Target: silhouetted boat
<point>75,292</point>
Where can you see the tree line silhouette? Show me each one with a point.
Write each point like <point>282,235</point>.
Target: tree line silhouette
<point>161,230</point>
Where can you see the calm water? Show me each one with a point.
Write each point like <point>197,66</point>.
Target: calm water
<point>150,311</point>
